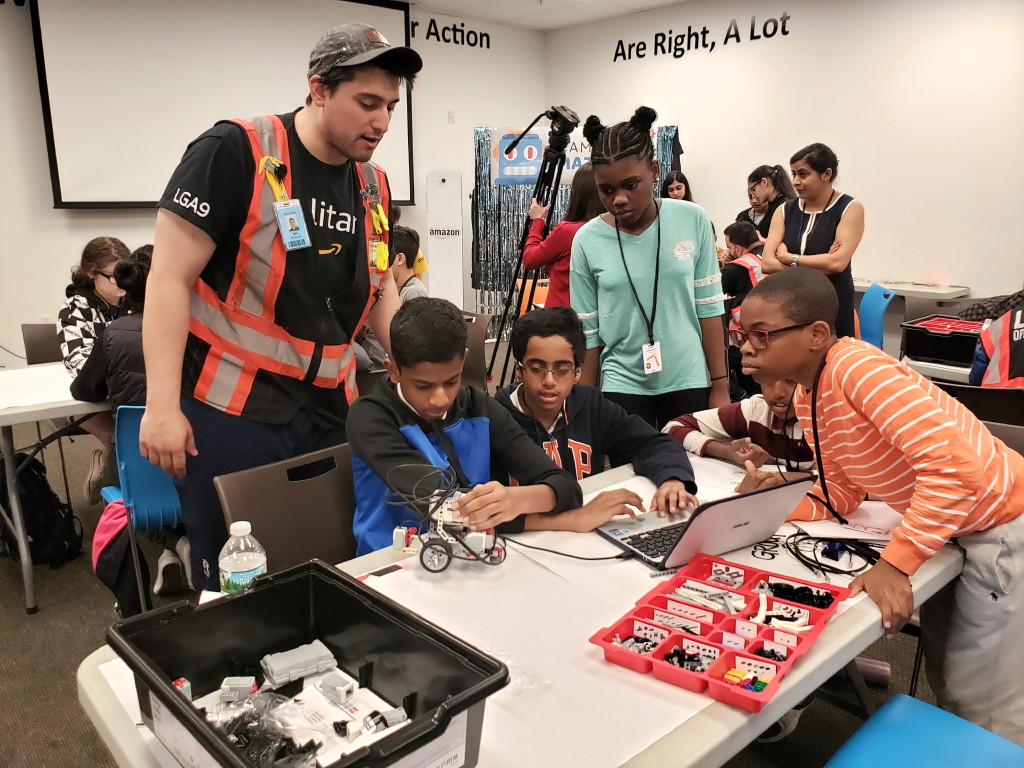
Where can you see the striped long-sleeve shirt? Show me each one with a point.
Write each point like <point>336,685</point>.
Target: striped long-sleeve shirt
<point>888,431</point>
<point>753,418</point>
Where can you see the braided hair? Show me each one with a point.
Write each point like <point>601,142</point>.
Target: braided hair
<point>629,139</point>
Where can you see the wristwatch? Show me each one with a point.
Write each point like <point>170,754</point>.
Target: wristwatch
<point>794,260</point>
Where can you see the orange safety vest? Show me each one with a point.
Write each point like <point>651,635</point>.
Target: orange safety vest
<point>240,329</point>
<point>1004,344</point>
<point>752,263</point>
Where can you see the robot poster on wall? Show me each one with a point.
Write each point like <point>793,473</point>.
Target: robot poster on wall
<point>523,165</point>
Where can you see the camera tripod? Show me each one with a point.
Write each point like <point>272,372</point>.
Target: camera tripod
<point>563,123</point>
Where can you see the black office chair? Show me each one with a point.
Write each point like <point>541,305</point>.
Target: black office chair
<point>998,404</point>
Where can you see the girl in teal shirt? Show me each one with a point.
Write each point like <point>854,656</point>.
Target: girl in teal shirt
<point>644,280</point>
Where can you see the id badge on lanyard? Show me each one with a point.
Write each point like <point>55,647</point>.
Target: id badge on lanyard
<point>291,222</point>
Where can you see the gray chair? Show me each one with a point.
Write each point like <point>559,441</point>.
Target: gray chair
<point>41,343</point>
<point>474,373</point>
<point>1004,405</point>
<point>300,508</point>
<point>1011,434</point>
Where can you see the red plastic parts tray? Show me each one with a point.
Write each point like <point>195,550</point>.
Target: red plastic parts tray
<point>672,622</point>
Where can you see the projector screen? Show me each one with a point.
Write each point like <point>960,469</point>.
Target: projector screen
<point>127,84</point>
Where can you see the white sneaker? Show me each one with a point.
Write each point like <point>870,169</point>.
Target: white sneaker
<point>786,724</point>
<point>170,576</point>
<point>184,550</point>
<point>97,469</point>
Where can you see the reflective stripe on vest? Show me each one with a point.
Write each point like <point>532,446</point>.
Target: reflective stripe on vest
<point>241,329</point>
<point>1004,344</point>
<point>752,263</point>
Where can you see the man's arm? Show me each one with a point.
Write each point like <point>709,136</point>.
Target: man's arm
<point>180,252</point>
<point>380,316</point>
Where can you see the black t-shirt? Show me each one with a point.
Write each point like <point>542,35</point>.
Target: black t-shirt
<point>325,286</point>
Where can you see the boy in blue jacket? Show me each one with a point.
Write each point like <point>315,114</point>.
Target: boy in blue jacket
<point>423,418</point>
<point>578,427</point>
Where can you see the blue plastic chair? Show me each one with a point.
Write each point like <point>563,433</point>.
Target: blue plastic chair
<point>148,493</point>
<point>872,313</point>
<point>908,732</point>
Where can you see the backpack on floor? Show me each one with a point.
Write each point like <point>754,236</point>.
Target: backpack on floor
<point>54,533</point>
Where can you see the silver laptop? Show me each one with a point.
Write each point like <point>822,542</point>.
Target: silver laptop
<point>714,528</point>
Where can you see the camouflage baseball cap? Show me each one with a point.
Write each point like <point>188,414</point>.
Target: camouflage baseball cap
<point>355,43</point>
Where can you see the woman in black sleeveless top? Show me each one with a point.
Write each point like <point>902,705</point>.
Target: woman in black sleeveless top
<point>820,230</point>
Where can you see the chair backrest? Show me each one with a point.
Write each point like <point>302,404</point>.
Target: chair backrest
<point>1004,405</point>
<point>148,491</point>
<point>299,508</point>
<point>872,313</point>
<point>474,373</point>
<point>41,343</point>
<point>1011,434</point>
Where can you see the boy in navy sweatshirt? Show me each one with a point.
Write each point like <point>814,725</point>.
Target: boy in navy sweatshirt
<point>423,418</point>
<point>578,427</point>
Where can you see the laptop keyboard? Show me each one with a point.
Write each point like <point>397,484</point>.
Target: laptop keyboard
<point>658,543</point>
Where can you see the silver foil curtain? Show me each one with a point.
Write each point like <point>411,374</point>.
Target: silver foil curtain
<point>499,215</point>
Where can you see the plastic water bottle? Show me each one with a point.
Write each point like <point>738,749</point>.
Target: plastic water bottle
<point>241,560</point>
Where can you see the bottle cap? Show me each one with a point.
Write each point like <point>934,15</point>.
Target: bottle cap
<point>241,528</point>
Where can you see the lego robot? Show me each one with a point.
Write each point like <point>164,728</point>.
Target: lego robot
<point>442,538</point>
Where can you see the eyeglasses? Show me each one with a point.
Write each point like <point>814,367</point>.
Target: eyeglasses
<point>751,189</point>
<point>759,339</point>
<point>109,277</point>
<point>559,372</point>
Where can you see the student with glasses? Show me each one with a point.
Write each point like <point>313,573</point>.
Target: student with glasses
<point>579,428</point>
<point>93,300</point>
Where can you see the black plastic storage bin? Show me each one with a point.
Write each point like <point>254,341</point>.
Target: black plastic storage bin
<point>955,347</point>
<point>368,634</point>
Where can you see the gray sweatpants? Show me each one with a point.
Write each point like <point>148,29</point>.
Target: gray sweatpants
<point>973,633</point>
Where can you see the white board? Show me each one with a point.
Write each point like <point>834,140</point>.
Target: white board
<point>127,84</point>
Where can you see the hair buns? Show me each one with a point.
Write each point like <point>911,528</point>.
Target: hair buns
<point>643,118</point>
<point>592,129</point>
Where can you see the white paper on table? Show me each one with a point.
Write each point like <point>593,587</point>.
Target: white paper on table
<point>562,689</point>
<point>872,521</point>
<point>122,683</point>
<point>36,385</point>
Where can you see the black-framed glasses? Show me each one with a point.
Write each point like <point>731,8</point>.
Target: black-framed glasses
<point>759,339</point>
<point>109,277</point>
<point>559,371</point>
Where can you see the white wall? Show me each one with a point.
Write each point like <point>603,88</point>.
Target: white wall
<point>922,102</point>
<point>497,87</point>
<point>41,244</point>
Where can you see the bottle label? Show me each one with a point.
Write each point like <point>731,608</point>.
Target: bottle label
<point>236,581</point>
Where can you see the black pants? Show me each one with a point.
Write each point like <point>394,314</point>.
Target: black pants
<point>659,410</point>
<point>227,444</point>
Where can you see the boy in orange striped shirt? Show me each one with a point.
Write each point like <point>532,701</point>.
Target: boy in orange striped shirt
<point>885,430</point>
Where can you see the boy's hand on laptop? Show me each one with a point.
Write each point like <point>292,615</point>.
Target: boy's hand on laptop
<point>890,588</point>
<point>756,479</point>
<point>744,450</point>
<point>602,508</point>
<point>672,498</point>
<point>488,504</point>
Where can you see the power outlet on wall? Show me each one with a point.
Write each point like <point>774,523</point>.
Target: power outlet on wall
<point>451,115</point>
<point>46,318</point>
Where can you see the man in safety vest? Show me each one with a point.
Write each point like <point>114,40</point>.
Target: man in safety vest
<point>999,361</point>
<point>740,272</point>
<point>270,253</point>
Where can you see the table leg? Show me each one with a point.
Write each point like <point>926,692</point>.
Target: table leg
<point>16,521</point>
